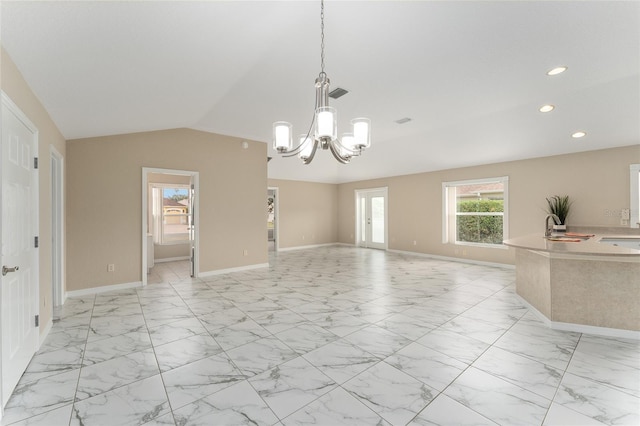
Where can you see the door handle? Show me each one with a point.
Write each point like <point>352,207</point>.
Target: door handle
<point>6,270</point>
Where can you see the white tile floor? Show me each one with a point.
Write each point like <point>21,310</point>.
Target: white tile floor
<point>329,336</point>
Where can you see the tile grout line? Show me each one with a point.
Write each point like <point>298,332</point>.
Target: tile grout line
<point>75,394</point>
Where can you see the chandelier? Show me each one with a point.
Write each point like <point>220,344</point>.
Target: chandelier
<point>323,131</point>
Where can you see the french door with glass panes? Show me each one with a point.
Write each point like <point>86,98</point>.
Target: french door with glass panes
<point>371,218</point>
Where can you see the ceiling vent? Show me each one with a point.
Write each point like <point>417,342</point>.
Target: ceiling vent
<point>337,92</point>
<point>403,120</point>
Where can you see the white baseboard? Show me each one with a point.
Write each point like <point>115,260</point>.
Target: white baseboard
<point>229,270</point>
<point>307,247</point>
<point>455,259</point>
<point>171,259</point>
<point>414,253</point>
<point>102,289</point>
<point>580,328</point>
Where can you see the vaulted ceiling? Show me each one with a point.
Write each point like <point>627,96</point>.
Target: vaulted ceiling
<point>471,75</point>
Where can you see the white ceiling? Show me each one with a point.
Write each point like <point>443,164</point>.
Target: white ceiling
<point>470,74</point>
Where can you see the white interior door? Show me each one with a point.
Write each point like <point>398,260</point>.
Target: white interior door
<point>19,280</point>
<point>372,218</point>
<point>192,226</point>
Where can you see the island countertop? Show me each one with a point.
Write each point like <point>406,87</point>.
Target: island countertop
<point>591,246</point>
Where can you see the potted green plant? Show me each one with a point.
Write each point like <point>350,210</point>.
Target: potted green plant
<point>559,205</point>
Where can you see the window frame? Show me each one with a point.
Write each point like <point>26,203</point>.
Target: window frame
<point>449,213</point>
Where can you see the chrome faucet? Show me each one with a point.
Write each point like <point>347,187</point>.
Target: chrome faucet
<point>547,228</point>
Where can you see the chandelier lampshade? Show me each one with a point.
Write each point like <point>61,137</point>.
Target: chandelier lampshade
<point>348,144</point>
<point>361,134</point>
<point>282,136</point>
<point>326,123</point>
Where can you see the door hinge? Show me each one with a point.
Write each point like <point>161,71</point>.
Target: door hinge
<point>36,242</point>
<point>35,162</point>
<point>37,320</point>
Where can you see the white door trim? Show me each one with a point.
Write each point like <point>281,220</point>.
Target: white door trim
<point>57,229</point>
<point>145,216</point>
<point>11,106</point>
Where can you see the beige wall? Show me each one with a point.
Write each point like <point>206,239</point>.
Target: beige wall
<point>168,178</point>
<point>308,213</point>
<point>104,172</point>
<point>14,85</point>
<point>171,252</point>
<point>596,181</point>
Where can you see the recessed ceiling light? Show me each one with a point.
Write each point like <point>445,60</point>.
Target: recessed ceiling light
<point>546,108</point>
<point>557,70</point>
<point>579,134</point>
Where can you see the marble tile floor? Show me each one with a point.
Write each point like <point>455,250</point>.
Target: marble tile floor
<point>327,336</point>
<point>169,272</point>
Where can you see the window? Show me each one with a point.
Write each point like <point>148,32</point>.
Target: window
<point>475,212</point>
<point>170,213</point>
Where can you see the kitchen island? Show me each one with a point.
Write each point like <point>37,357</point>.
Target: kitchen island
<point>580,284</point>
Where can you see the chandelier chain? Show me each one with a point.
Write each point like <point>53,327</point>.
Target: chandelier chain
<point>322,38</point>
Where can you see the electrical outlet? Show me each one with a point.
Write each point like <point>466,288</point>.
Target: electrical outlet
<point>415,243</point>
<point>111,267</point>
<point>245,252</point>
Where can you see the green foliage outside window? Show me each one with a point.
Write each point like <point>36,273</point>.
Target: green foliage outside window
<point>480,228</point>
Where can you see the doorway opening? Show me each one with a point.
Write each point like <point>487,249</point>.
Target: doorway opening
<point>272,219</point>
<point>57,230</point>
<point>169,219</point>
<point>371,218</point>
